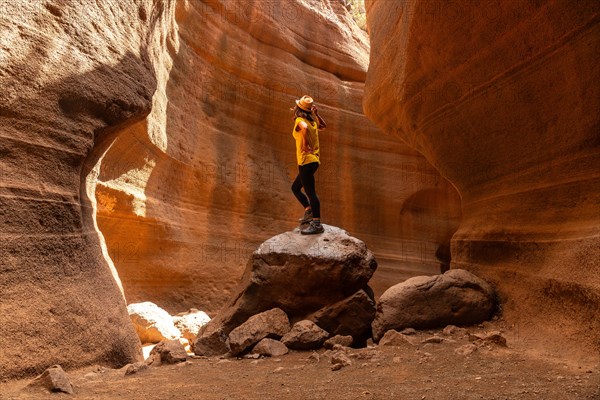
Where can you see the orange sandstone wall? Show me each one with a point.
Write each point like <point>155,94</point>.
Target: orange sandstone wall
<point>503,100</point>
<point>72,76</point>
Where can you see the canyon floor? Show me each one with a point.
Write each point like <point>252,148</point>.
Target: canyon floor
<point>424,371</point>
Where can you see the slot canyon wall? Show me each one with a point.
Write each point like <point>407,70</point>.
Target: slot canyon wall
<point>503,98</point>
<point>145,148</point>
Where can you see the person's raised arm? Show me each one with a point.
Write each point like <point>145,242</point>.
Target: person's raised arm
<point>322,124</point>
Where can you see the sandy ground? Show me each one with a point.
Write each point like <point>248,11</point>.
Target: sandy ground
<point>424,371</point>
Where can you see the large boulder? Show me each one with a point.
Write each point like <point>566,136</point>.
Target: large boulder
<point>272,324</point>
<point>456,297</point>
<point>152,323</point>
<point>352,316</point>
<point>297,273</point>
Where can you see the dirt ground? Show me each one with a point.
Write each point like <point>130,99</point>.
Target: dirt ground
<point>424,371</point>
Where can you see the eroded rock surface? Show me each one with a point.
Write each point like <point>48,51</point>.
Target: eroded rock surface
<point>185,196</point>
<point>503,101</point>
<point>73,75</point>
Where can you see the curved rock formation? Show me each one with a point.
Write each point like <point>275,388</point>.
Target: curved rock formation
<point>72,77</point>
<point>503,100</point>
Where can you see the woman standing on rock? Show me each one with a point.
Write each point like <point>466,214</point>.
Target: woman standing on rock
<point>307,123</point>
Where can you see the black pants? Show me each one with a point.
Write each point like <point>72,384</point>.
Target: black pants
<point>306,179</point>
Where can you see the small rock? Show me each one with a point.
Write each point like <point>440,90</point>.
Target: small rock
<point>189,323</point>
<point>55,379</point>
<point>453,330</point>
<point>304,335</point>
<point>152,323</point>
<point>184,364</point>
<point>466,349</point>
<point>135,368</point>
<point>273,323</point>
<point>433,339</point>
<point>474,337</point>
<point>314,357</point>
<point>339,347</point>
<point>397,360</point>
<point>338,339</point>
<point>278,369</point>
<point>395,338</point>
<point>167,352</point>
<point>336,367</point>
<point>252,356</point>
<point>408,331</point>
<point>339,357</point>
<point>271,348</point>
<point>495,337</point>
<point>351,316</point>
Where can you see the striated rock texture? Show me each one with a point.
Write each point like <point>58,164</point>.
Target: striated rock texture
<point>72,77</point>
<point>181,215</point>
<point>503,99</point>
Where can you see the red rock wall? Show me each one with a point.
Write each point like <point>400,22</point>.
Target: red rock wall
<point>182,218</point>
<point>72,76</point>
<point>503,99</point>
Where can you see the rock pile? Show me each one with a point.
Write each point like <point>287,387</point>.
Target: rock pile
<point>317,282</point>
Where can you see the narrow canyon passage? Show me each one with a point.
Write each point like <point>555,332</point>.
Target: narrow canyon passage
<point>147,154</point>
<point>180,220</point>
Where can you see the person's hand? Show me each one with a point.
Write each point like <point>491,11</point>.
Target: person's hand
<point>315,109</point>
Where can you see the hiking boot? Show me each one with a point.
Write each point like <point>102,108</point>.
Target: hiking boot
<point>312,229</point>
<point>307,217</point>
